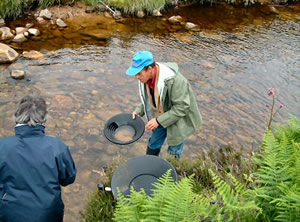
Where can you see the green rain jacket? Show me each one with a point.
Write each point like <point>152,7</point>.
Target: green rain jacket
<point>181,115</point>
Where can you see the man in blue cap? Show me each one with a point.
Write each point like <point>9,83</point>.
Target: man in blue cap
<point>168,102</point>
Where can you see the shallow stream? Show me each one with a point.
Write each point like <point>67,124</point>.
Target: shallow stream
<point>231,62</point>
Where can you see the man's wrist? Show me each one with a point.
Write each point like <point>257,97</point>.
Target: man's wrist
<point>157,121</point>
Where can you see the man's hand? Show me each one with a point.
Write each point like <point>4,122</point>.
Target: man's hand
<point>134,114</point>
<point>152,124</point>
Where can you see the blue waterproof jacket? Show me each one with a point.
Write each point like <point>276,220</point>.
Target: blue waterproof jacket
<point>33,166</point>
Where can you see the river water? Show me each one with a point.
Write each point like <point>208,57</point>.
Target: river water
<point>231,62</point>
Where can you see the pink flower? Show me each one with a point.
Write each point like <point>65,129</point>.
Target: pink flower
<point>271,92</point>
<point>267,105</point>
<point>281,106</point>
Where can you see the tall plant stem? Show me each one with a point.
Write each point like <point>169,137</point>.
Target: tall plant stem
<point>271,114</point>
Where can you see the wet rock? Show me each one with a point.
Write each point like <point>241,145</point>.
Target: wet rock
<point>175,19</point>
<point>61,23</point>
<point>19,38</point>
<point>34,55</point>
<point>90,9</point>
<point>57,33</point>
<point>45,14</point>
<point>140,14</point>
<point>6,33</point>
<point>17,74</point>
<point>7,54</point>
<point>34,31</point>
<point>98,34</point>
<point>107,14</point>
<point>208,65</point>
<point>2,22</point>
<point>20,30</point>
<point>191,26</point>
<point>274,10</point>
<point>41,20</point>
<point>156,13</point>
<point>117,15</point>
<point>29,25</point>
<point>70,15</point>
<point>64,16</point>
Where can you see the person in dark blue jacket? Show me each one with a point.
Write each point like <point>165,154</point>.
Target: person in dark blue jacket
<point>33,167</point>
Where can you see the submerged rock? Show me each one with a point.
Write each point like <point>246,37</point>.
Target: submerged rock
<point>7,54</point>
<point>175,19</point>
<point>191,26</point>
<point>34,55</point>
<point>17,74</point>
<point>98,34</point>
<point>60,23</point>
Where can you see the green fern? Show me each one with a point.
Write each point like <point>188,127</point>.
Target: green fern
<point>169,202</point>
<point>236,202</point>
<point>278,192</point>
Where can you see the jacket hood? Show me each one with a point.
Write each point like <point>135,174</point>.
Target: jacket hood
<point>172,66</point>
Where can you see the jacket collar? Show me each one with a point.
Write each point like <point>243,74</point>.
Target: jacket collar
<point>25,130</point>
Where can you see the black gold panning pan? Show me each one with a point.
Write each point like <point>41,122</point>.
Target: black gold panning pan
<point>140,172</point>
<point>122,129</point>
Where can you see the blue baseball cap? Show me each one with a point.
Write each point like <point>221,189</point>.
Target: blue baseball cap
<point>139,61</point>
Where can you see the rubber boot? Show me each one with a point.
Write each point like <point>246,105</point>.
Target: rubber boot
<point>152,152</point>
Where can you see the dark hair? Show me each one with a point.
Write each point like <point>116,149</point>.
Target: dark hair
<point>152,65</point>
<point>31,110</point>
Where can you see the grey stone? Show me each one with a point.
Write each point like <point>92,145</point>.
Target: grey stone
<point>40,20</point>
<point>34,31</point>
<point>34,55</point>
<point>20,30</point>
<point>46,14</point>
<point>29,25</point>
<point>19,38</point>
<point>140,14</point>
<point>6,33</point>
<point>175,19</point>
<point>61,23</point>
<point>2,22</point>
<point>7,54</point>
<point>117,15</point>
<point>156,13</point>
<point>17,74</point>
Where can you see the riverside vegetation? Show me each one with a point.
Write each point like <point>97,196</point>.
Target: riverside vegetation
<point>11,9</point>
<point>222,185</point>
<point>219,186</point>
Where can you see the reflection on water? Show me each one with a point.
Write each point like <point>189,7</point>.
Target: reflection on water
<point>230,62</point>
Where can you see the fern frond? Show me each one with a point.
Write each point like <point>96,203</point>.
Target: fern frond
<point>237,201</point>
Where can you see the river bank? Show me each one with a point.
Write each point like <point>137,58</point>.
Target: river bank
<point>231,62</point>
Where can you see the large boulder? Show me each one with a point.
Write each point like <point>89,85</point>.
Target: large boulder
<point>6,33</point>
<point>2,22</point>
<point>7,54</point>
<point>45,14</point>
